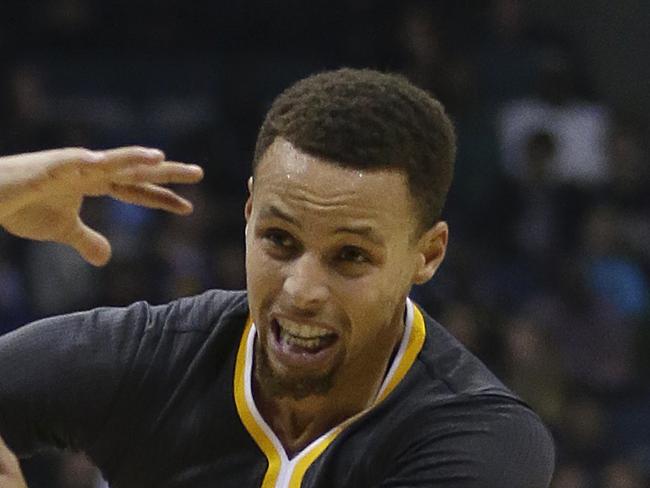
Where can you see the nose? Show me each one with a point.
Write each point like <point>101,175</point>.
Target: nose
<point>306,283</point>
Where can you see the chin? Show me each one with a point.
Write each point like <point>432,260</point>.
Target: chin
<point>281,383</point>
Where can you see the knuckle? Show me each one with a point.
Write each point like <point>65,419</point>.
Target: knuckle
<point>75,150</point>
<point>135,149</point>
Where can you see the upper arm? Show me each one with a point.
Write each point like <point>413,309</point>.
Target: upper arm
<point>506,447</point>
<point>60,375</point>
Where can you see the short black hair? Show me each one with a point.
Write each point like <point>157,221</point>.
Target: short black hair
<point>365,119</point>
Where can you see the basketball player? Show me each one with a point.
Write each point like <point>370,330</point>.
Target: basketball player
<point>323,373</point>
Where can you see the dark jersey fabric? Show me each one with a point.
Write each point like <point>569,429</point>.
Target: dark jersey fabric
<point>148,393</point>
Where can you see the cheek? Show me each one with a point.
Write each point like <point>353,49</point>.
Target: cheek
<point>376,308</point>
<point>372,303</point>
<point>260,273</point>
<point>385,287</point>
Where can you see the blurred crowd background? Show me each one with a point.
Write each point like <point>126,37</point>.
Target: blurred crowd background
<point>548,273</point>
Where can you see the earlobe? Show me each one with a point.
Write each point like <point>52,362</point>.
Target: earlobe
<point>433,246</point>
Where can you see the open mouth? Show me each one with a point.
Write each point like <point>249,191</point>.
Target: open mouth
<point>299,338</point>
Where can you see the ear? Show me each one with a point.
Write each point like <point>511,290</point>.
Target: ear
<point>432,247</point>
<point>248,207</point>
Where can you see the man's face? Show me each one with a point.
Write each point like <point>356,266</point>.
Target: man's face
<point>331,254</point>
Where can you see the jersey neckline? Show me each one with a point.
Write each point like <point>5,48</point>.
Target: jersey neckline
<point>283,472</point>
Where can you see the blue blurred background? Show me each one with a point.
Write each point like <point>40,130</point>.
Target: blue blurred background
<point>547,278</point>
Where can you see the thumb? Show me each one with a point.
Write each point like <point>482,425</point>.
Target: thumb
<point>90,244</point>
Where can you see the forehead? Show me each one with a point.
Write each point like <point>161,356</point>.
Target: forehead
<point>295,178</point>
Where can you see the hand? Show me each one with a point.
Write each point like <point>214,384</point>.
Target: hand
<point>41,193</point>
<point>10,474</point>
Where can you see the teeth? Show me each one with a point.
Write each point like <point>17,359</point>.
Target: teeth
<point>303,343</point>
<point>300,331</point>
<point>304,336</point>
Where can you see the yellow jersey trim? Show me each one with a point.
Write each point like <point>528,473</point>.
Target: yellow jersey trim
<point>249,421</point>
<point>415,343</point>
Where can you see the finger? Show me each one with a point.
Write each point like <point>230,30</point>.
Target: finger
<point>123,157</point>
<point>62,162</point>
<point>90,244</point>
<point>152,196</point>
<point>165,172</point>
<point>68,154</point>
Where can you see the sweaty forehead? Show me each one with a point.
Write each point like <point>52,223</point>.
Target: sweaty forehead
<point>294,174</point>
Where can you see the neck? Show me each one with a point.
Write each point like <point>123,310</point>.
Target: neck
<point>298,422</point>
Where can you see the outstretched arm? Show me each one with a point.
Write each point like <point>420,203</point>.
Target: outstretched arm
<point>41,193</point>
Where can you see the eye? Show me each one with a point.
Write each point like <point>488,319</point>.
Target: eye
<point>279,239</point>
<point>352,254</point>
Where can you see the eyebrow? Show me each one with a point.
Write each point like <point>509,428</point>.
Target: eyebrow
<point>273,211</point>
<point>364,231</point>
